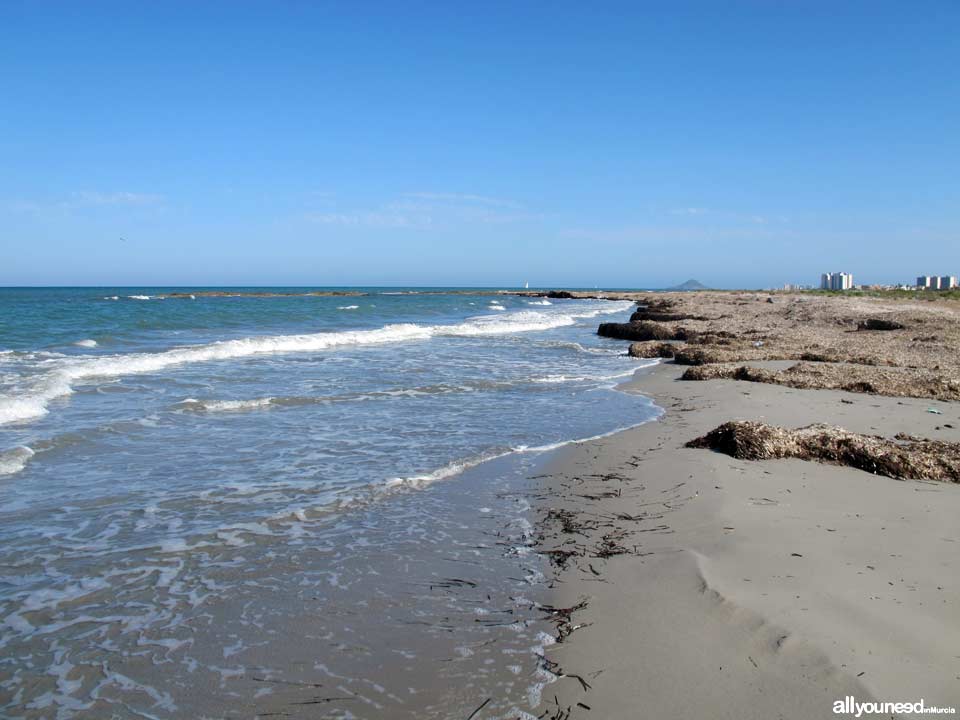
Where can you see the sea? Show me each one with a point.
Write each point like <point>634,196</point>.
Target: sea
<point>282,502</point>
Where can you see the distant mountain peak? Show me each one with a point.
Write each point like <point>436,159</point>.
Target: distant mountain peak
<point>690,284</point>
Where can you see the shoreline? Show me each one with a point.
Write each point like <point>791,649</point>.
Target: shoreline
<point>747,589</point>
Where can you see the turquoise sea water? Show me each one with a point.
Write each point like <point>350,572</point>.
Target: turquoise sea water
<point>159,454</point>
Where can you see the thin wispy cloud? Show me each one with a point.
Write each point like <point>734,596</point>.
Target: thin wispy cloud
<point>80,200</point>
<point>730,217</point>
<point>464,198</point>
<point>90,197</point>
<point>426,211</point>
<point>372,219</point>
<point>719,226</point>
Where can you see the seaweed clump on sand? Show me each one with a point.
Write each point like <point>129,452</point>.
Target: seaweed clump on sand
<point>640,331</point>
<point>886,345</point>
<point>879,324</point>
<point>892,382</point>
<point>651,349</point>
<point>904,457</point>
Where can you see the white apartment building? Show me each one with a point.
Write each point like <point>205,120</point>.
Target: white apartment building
<point>934,282</point>
<point>836,281</point>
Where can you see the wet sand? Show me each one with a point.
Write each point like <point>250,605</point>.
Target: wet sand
<point>721,588</point>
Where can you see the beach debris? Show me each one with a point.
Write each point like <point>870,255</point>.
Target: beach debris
<point>610,544</point>
<point>651,349</point>
<point>904,457</point>
<point>643,330</point>
<point>727,329</point>
<point>562,618</point>
<point>322,700</point>
<point>447,583</point>
<point>256,678</point>
<point>934,411</point>
<point>482,706</point>
<point>559,558</point>
<point>893,382</point>
<point>567,519</point>
<point>879,324</point>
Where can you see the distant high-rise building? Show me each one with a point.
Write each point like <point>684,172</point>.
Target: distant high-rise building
<point>836,281</point>
<point>935,282</point>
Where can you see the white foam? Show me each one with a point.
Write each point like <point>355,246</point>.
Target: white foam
<point>348,307</point>
<point>58,381</point>
<point>15,460</point>
<point>458,466</point>
<point>447,471</point>
<point>34,405</point>
<point>86,343</point>
<point>227,405</point>
<point>139,297</point>
<point>582,378</point>
<point>539,302</point>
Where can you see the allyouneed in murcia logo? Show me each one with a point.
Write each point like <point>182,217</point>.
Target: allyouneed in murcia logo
<point>850,706</point>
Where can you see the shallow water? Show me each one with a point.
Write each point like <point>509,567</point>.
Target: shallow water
<point>222,506</point>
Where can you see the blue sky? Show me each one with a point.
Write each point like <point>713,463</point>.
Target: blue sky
<point>612,144</point>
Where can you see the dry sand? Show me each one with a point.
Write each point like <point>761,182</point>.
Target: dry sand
<point>750,589</point>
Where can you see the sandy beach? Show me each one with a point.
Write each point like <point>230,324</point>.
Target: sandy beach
<point>503,361</point>
<point>706,586</point>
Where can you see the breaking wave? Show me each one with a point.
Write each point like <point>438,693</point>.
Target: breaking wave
<point>585,378</point>
<point>15,460</point>
<point>226,405</point>
<point>57,382</point>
